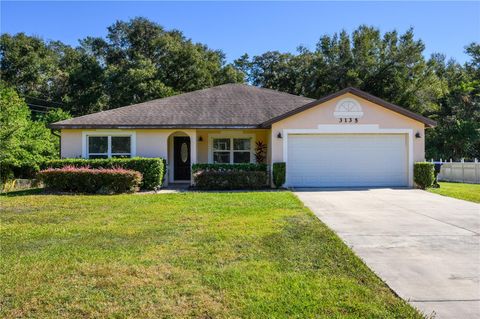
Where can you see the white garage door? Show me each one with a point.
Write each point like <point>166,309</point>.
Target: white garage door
<point>329,160</point>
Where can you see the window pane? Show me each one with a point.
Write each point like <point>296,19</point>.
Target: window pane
<point>221,144</point>
<point>120,144</point>
<point>120,156</point>
<point>241,144</point>
<point>221,157</point>
<point>241,157</point>
<point>97,144</point>
<point>98,156</point>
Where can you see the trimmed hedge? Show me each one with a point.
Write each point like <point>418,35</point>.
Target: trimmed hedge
<point>152,169</point>
<point>88,180</point>
<point>230,179</point>
<point>252,167</point>
<point>230,176</point>
<point>423,174</point>
<point>279,171</point>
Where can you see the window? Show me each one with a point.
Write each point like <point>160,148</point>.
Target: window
<point>231,150</point>
<point>109,146</point>
<point>98,147</point>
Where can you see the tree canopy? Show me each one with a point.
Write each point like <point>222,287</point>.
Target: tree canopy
<point>137,61</point>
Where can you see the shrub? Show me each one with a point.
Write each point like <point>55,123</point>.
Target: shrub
<point>260,152</point>
<point>89,180</point>
<point>230,176</point>
<point>230,179</point>
<point>152,169</point>
<point>231,167</point>
<point>423,174</point>
<point>279,170</point>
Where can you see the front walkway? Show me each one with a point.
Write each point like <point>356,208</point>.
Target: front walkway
<point>172,188</point>
<point>425,246</point>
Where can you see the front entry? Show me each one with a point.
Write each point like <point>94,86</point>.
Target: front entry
<point>181,158</point>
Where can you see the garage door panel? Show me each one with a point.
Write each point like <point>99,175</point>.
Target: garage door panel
<point>347,160</point>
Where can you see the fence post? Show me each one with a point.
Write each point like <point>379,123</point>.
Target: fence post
<point>476,168</point>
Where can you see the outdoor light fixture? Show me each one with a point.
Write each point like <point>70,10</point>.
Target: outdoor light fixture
<point>279,135</point>
<point>200,139</point>
<point>417,135</point>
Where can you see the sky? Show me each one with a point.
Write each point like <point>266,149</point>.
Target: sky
<point>252,27</point>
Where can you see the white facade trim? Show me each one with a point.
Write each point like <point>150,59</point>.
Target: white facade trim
<point>352,129</point>
<point>348,108</point>
<point>227,134</point>
<point>345,128</point>
<point>131,134</point>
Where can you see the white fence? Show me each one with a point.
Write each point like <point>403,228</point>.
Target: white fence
<point>464,172</point>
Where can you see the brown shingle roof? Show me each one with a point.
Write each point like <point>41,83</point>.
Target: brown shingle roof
<point>228,105</point>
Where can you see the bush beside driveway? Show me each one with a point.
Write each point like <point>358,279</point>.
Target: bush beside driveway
<point>202,255</point>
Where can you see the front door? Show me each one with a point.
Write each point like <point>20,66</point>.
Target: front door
<point>181,158</point>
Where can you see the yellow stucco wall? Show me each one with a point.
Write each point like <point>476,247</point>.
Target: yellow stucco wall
<point>323,114</point>
<point>155,142</point>
<point>71,143</point>
<point>202,146</point>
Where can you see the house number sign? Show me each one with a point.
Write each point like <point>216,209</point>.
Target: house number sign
<point>348,110</point>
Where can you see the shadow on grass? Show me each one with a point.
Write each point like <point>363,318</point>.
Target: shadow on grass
<point>24,192</point>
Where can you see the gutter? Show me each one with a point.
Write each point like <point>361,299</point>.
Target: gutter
<point>153,126</point>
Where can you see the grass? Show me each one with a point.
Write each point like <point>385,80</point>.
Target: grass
<point>201,255</point>
<point>470,192</point>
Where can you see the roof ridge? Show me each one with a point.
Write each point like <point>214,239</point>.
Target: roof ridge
<point>268,89</point>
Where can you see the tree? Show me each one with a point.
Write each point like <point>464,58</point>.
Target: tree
<point>54,115</point>
<point>137,61</point>
<point>458,132</point>
<point>52,71</point>
<point>391,66</point>
<point>24,143</point>
<point>143,61</point>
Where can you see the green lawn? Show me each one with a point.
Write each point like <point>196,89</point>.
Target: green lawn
<point>201,255</point>
<point>470,192</point>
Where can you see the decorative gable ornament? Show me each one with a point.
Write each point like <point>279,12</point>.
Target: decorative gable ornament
<point>348,108</point>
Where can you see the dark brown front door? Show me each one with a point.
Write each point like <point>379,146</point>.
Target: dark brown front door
<point>181,158</point>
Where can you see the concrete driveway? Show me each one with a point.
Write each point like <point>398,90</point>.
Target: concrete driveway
<point>425,246</point>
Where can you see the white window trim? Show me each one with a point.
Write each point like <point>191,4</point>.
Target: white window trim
<point>349,129</point>
<point>131,134</point>
<point>231,136</point>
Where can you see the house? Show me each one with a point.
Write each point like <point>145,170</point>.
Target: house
<point>346,139</point>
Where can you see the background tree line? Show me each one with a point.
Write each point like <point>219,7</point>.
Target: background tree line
<point>45,81</point>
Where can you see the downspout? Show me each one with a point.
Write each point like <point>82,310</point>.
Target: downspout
<point>60,142</point>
